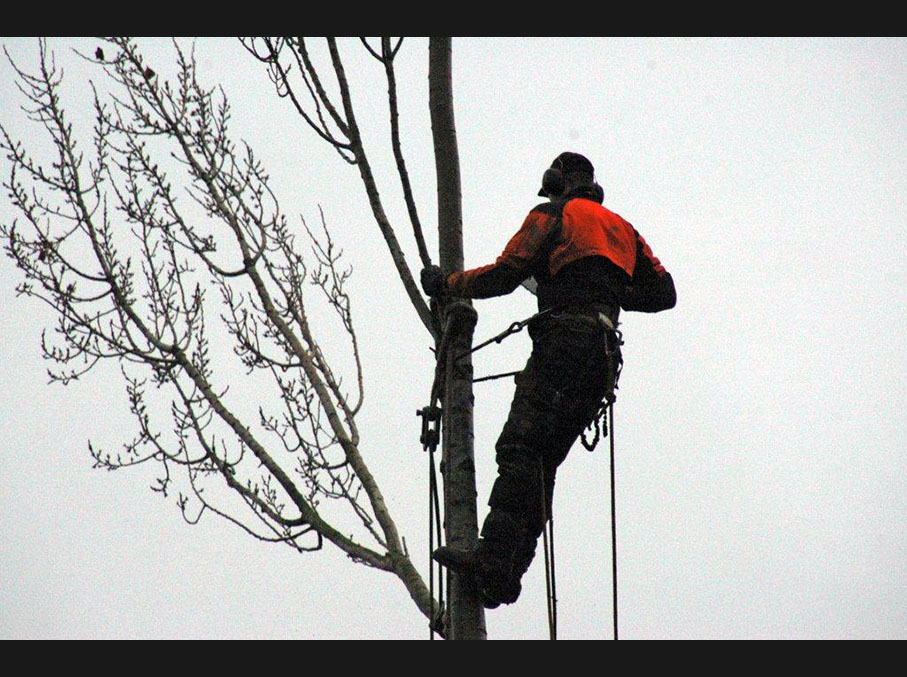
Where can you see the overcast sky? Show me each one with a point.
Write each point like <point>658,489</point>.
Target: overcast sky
<point>762,482</point>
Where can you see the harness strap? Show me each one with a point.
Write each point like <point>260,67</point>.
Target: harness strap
<point>514,328</point>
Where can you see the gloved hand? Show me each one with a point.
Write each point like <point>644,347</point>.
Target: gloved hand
<point>433,281</point>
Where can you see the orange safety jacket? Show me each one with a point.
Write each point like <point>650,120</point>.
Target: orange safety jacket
<point>579,252</point>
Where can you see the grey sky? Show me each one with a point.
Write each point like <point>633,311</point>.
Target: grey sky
<point>760,428</point>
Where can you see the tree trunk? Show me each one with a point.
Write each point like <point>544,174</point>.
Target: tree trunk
<point>466,615</point>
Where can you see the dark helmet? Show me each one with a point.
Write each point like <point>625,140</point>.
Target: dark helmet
<point>554,179</point>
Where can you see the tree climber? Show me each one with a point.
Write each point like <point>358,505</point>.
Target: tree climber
<point>588,263</point>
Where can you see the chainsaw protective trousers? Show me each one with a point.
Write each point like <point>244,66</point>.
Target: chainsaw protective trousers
<point>570,372</point>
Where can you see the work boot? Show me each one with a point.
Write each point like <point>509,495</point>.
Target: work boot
<point>460,561</point>
<point>465,563</point>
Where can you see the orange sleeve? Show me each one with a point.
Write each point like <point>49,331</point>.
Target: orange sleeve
<point>651,287</point>
<point>514,264</point>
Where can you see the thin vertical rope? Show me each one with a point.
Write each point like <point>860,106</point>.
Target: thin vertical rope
<point>613,519</point>
<point>434,540</point>
<point>548,545</point>
<point>439,532</point>
<point>431,540</point>
<point>553,576</point>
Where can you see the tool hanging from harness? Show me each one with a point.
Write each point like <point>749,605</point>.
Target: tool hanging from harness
<point>599,425</point>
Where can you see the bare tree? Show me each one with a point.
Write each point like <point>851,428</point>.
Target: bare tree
<point>162,285</point>
<point>291,69</point>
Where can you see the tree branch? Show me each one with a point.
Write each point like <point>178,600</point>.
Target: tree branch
<point>388,61</point>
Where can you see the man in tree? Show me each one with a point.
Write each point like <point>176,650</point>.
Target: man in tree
<point>588,263</point>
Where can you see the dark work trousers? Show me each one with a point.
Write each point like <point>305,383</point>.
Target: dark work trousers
<point>571,370</point>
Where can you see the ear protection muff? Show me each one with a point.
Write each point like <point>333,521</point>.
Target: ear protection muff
<point>553,182</point>
<point>599,193</point>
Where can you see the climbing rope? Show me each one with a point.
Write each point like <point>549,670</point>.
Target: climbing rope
<point>553,589</point>
<point>431,420</point>
<point>514,328</point>
<point>430,437</point>
<point>613,521</point>
<point>495,376</point>
<point>548,545</point>
<point>434,540</point>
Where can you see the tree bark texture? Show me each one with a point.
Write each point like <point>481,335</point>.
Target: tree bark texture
<point>466,615</point>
